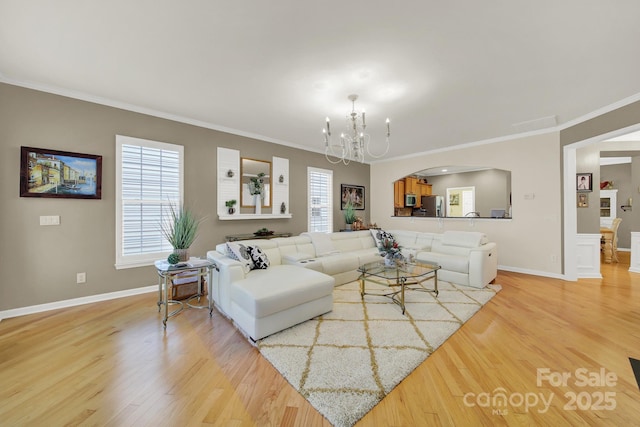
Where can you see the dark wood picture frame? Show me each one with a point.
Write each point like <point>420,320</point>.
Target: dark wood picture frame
<point>355,193</point>
<point>59,174</point>
<point>584,182</point>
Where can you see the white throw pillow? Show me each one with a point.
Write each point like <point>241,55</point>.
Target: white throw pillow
<point>241,253</point>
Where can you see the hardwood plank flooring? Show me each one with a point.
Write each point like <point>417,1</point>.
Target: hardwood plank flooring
<point>112,364</point>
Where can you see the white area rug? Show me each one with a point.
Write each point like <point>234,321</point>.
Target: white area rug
<point>344,362</point>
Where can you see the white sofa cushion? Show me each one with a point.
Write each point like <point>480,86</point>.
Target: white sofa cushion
<point>296,257</point>
<point>339,263</point>
<point>295,245</point>
<point>265,292</point>
<point>464,239</point>
<point>457,263</point>
<point>322,243</point>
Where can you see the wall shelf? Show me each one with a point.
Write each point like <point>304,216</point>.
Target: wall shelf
<point>237,217</point>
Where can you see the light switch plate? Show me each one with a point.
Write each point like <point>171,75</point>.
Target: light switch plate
<point>50,220</point>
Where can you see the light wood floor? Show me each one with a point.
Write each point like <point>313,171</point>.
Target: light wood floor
<point>111,363</point>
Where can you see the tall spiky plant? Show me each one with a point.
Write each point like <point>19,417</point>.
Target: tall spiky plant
<point>181,228</point>
<point>349,213</point>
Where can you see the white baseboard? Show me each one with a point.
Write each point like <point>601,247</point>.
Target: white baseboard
<point>6,314</point>
<point>531,272</point>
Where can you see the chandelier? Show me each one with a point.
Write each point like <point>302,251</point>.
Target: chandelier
<point>354,142</point>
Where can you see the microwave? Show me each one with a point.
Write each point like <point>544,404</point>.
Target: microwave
<point>410,200</point>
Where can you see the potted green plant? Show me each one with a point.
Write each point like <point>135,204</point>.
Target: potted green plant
<point>256,185</point>
<point>180,230</point>
<point>349,214</point>
<point>230,206</point>
<point>256,189</point>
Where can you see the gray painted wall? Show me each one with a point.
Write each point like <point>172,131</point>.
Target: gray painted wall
<point>588,161</point>
<point>39,263</point>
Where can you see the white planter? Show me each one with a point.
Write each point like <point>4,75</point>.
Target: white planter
<point>258,201</point>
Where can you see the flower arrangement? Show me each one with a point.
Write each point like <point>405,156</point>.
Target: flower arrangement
<point>388,247</point>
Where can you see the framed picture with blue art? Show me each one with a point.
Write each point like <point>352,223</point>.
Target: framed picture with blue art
<point>59,174</point>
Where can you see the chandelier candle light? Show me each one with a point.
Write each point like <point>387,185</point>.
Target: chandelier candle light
<point>354,142</point>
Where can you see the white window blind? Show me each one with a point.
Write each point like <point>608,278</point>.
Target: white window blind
<point>149,179</point>
<point>320,214</point>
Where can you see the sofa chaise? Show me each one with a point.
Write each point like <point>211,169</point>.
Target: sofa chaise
<point>296,281</point>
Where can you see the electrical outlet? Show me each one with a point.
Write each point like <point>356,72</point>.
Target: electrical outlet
<point>81,278</point>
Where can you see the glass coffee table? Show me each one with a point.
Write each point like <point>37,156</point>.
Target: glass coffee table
<point>402,276</point>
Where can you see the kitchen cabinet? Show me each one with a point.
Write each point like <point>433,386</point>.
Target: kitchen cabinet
<point>425,189</point>
<point>411,185</point>
<point>398,193</point>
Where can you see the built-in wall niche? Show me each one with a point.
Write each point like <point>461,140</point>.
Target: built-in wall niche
<point>236,186</point>
<point>255,174</point>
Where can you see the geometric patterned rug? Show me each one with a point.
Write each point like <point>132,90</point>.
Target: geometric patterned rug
<point>345,361</point>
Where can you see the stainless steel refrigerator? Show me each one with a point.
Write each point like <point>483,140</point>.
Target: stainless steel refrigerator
<point>433,205</point>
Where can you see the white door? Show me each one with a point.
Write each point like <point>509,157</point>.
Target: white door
<point>460,201</point>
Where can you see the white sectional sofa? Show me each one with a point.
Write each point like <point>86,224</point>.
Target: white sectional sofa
<point>298,283</point>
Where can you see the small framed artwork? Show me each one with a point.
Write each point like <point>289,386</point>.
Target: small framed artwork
<point>454,199</point>
<point>59,174</point>
<point>353,194</point>
<point>584,182</point>
<point>583,200</point>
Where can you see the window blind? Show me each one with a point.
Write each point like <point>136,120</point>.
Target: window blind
<point>320,214</point>
<point>149,181</point>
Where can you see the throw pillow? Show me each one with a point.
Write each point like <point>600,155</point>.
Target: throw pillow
<point>240,252</point>
<point>380,235</point>
<point>259,258</point>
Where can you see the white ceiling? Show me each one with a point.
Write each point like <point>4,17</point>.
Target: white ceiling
<point>446,73</point>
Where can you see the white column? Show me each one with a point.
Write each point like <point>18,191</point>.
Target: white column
<point>635,252</point>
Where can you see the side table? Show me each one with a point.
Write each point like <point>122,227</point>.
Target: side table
<point>166,272</point>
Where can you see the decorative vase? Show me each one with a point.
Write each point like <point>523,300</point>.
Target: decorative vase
<point>283,208</point>
<point>183,254</point>
<point>231,210</point>
<point>258,200</point>
<point>389,261</point>
<point>348,227</point>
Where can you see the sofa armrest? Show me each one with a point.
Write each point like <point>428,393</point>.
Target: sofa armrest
<point>227,271</point>
<point>483,265</point>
